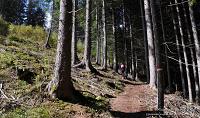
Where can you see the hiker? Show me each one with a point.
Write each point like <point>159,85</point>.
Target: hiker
<point>122,68</point>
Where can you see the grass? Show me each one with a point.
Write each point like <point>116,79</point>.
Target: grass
<point>32,101</point>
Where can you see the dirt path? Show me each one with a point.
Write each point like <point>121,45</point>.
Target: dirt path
<point>133,102</point>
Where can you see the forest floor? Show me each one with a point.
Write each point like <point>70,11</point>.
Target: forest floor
<point>107,95</point>
<point>133,102</point>
<point>139,101</point>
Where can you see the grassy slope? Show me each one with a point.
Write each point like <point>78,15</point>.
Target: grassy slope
<point>30,100</point>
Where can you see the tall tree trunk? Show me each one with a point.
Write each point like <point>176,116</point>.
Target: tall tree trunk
<point>150,41</point>
<point>136,67</point>
<point>61,85</point>
<point>124,37</point>
<point>179,55</point>
<point>192,53</point>
<point>115,61</point>
<point>184,53</point>
<point>75,59</point>
<point>88,25</point>
<point>145,40</point>
<point>86,62</point>
<point>196,40</point>
<point>47,45</point>
<point>104,36</point>
<point>155,10</point>
<point>166,53</point>
<point>98,35</point>
<point>132,49</point>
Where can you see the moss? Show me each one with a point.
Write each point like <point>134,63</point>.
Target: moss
<point>53,88</point>
<point>6,59</point>
<point>38,112</point>
<point>17,113</point>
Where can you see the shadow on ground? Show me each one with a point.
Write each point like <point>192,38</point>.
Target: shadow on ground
<point>132,82</point>
<point>142,114</point>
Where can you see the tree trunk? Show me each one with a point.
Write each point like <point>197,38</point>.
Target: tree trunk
<point>115,61</point>
<point>124,38</point>
<point>155,10</point>
<point>88,25</point>
<point>196,40</point>
<point>132,50</point>
<point>86,62</point>
<point>47,45</point>
<point>98,36</point>
<point>145,40</point>
<point>166,53</point>
<point>192,53</point>
<point>104,36</point>
<point>136,67</point>
<point>179,56</point>
<point>184,53</point>
<point>61,85</point>
<point>150,42</point>
<point>75,59</point>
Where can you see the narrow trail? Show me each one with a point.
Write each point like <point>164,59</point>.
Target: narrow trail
<point>134,102</point>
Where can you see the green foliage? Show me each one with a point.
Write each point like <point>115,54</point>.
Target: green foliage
<point>13,10</point>
<point>6,60</point>
<point>22,32</point>
<point>38,112</point>
<point>192,2</point>
<point>4,26</point>
<point>53,39</point>
<point>17,113</point>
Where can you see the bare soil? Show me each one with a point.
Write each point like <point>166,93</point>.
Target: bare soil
<point>140,101</point>
<point>133,102</point>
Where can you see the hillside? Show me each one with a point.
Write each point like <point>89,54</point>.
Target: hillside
<point>26,69</point>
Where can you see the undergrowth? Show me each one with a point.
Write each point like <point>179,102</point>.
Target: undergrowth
<point>23,48</point>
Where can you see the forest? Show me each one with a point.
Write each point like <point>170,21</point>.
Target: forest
<point>99,59</point>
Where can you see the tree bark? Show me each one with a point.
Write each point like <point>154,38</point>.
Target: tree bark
<point>184,53</point>
<point>145,40</point>
<point>98,48</point>
<point>88,25</point>
<point>179,55</point>
<point>86,62</point>
<point>125,38</point>
<point>47,45</point>
<point>192,53</point>
<point>61,85</point>
<point>75,59</point>
<point>115,61</point>
<point>150,41</point>
<point>132,50</point>
<point>104,36</point>
<point>136,67</point>
<point>155,10</point>
<point>196,40</point>
<point>166,53</point>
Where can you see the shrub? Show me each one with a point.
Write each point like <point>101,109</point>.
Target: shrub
<point>6,60</point>
<point>23,32</point>
<point>53,40</point>
<point>4,26</point>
